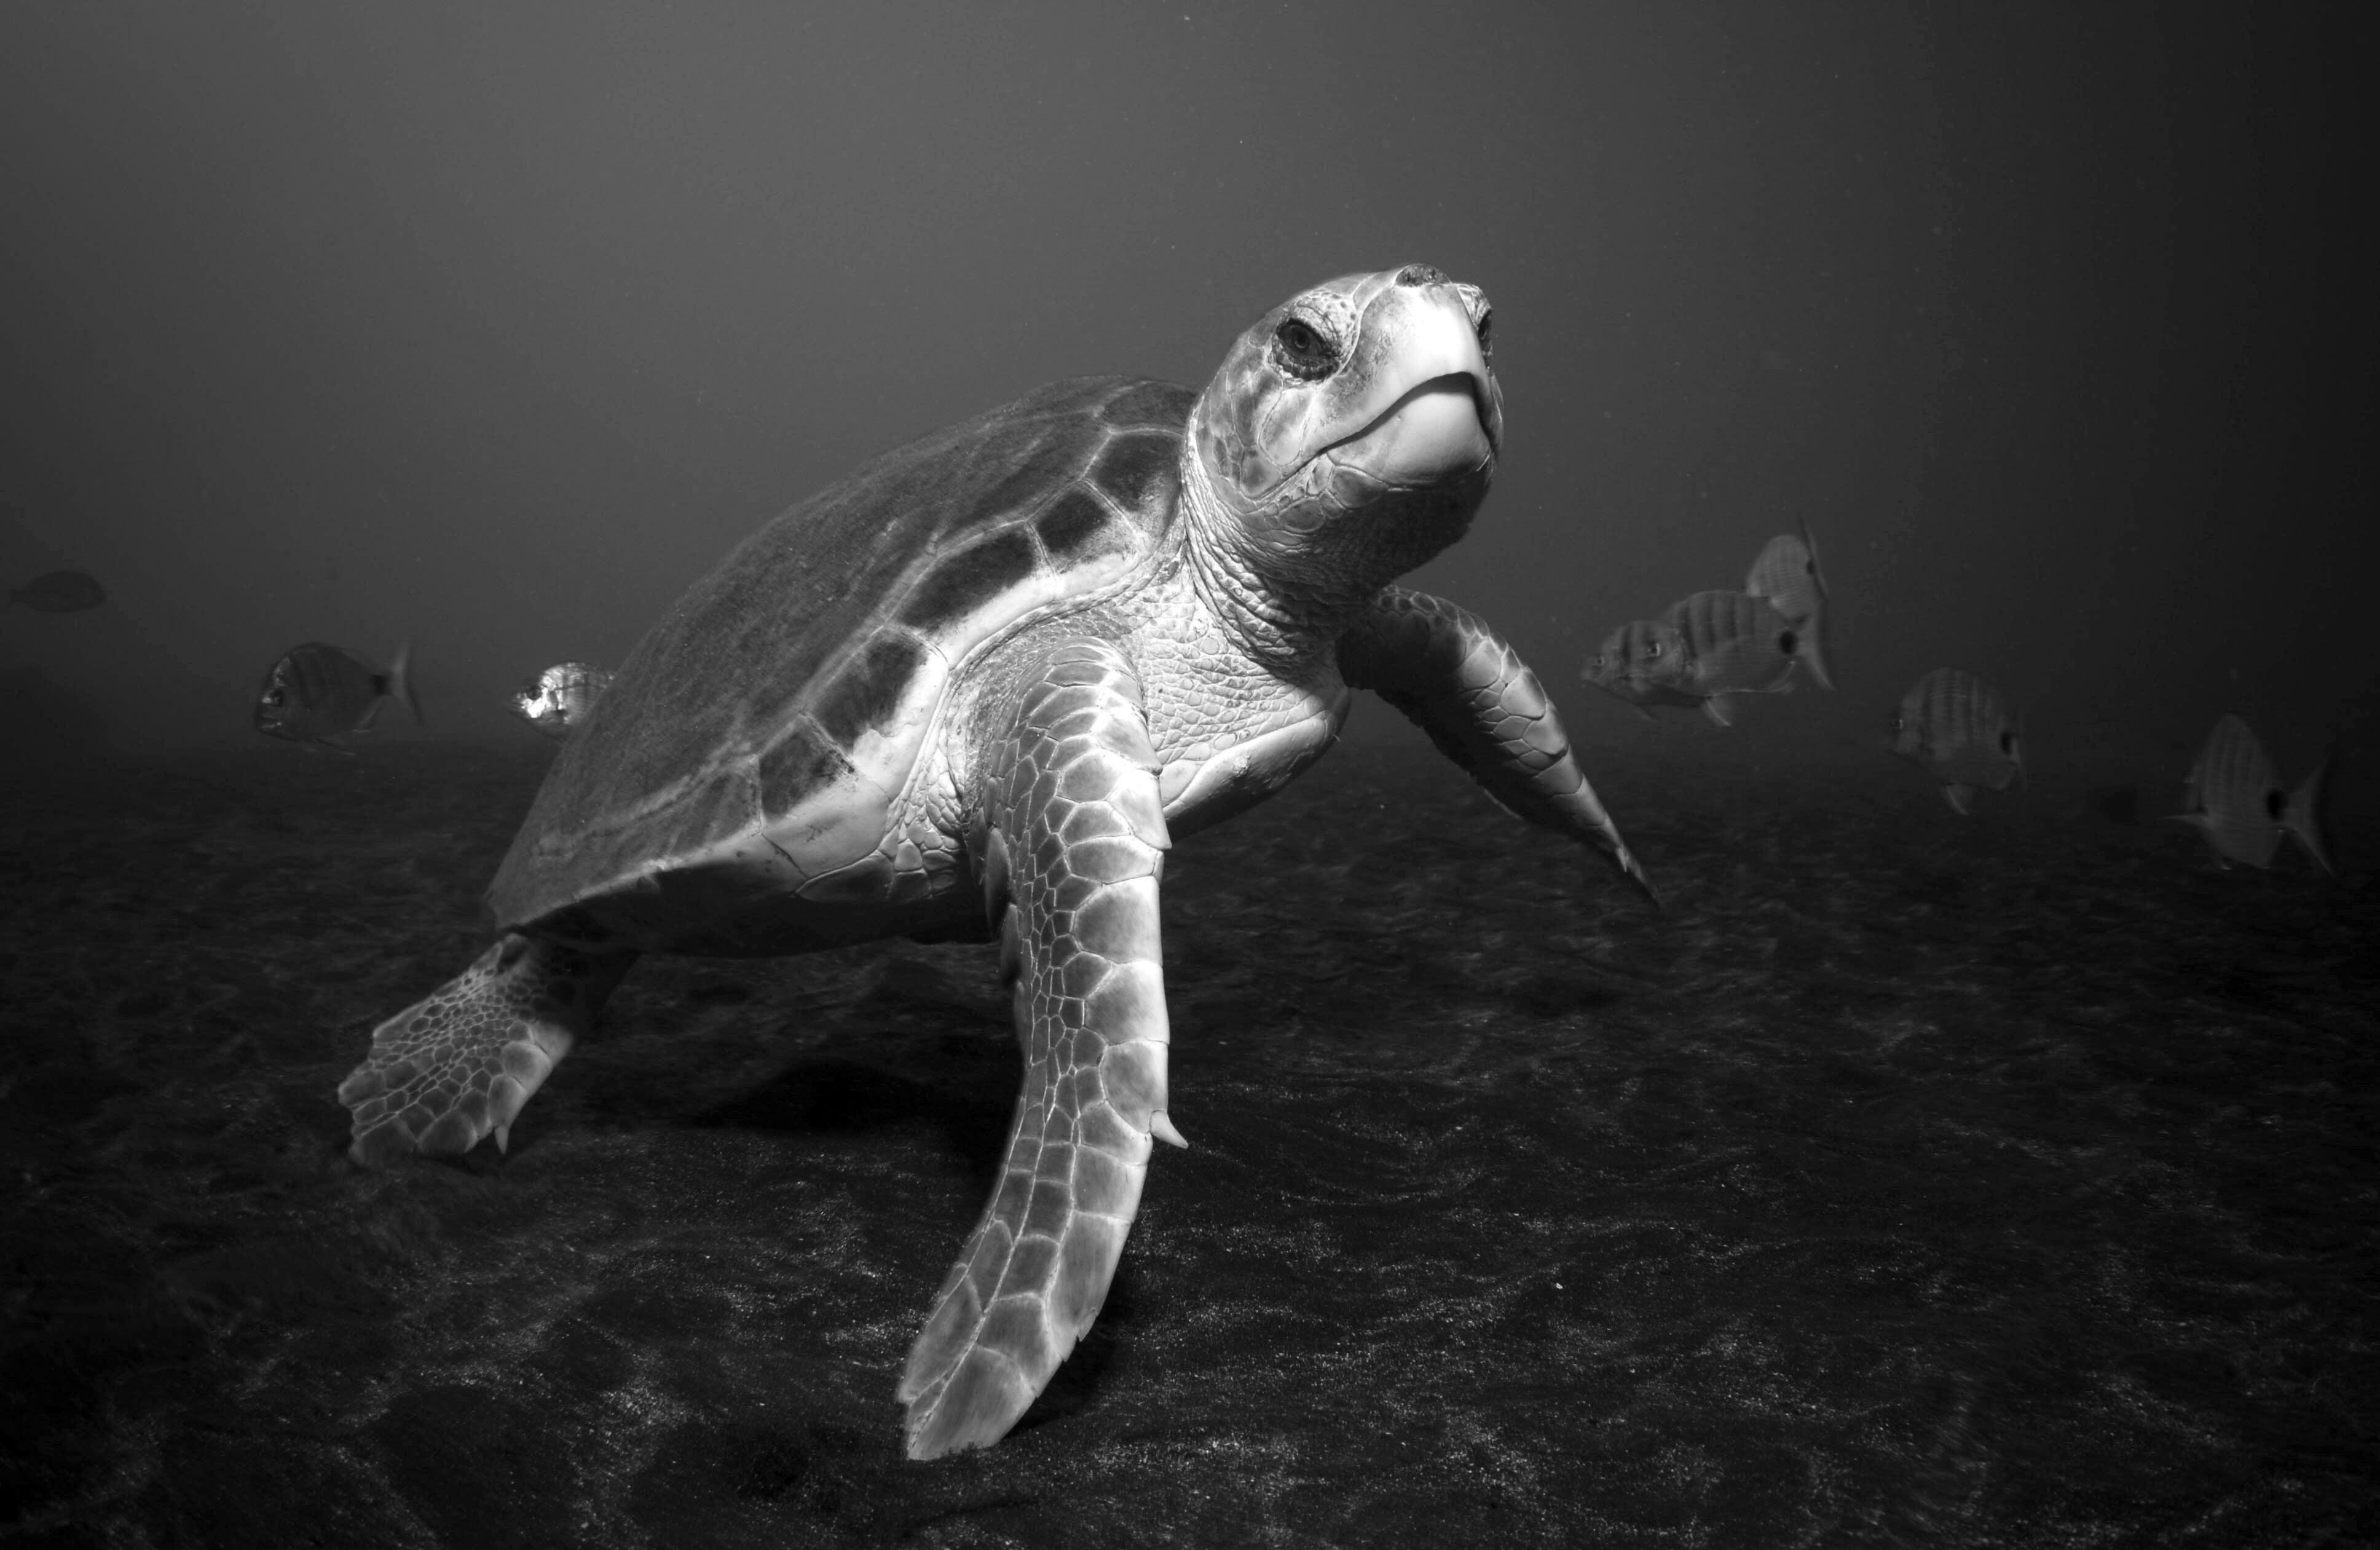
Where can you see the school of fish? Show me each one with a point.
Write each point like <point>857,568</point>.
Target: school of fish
<point>1710,647</point>
<point>1702,652</point>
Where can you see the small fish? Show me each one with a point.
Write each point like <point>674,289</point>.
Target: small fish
<point>2236,799</point>
<point>1643,662</point>
<point>1956,727</point>
<point>557,700</point>
<point>1787,575</point>
<point>61,592</point>
<point>1735,644</point>
<point>317,693</point>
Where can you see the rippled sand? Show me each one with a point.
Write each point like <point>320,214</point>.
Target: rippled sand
<point>2004,1181</point>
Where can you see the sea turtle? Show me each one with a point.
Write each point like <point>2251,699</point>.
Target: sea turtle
<point>972,692</point>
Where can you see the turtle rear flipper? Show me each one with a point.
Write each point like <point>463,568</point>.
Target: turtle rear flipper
<point>1071,862</point>
<point>459,1064</point>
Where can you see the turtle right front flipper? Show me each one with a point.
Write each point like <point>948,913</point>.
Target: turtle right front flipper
<point>1074,844</point>
<point>1459,681</point>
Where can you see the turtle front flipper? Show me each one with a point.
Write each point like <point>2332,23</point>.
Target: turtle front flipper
<point>458,1064</point>
<point>1459,681</point>
<point>1074,843</point>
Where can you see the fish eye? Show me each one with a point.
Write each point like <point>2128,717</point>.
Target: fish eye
<point>1653,648</point>
<point>1301,350</point>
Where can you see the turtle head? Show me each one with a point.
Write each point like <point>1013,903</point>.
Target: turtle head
<point>1350,434</point>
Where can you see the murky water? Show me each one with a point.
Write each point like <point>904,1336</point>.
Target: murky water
<point>2004,1181</point>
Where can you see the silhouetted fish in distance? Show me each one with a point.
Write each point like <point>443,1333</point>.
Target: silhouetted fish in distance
<point>1787,575</point>
<point>60,591</point>
<point>1956,727</point>
<point>558,698</point>
<point>1644,663</point>
<point>318,692</point>
<point>2236,801</point>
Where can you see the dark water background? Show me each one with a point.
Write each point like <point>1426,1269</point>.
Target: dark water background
<point>2006,1181</point>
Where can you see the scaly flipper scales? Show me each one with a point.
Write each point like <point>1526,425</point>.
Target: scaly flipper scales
<point>1075,843</point>
<point>458,1064</point>
<point>1460,682</point>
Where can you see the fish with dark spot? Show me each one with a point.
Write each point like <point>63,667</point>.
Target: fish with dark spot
<point>558,698</point>
<point>318,693</point>
<point>2236,801</point>
<point>1957,727</point>
<point>1787,575</point>
<point>60,591</point>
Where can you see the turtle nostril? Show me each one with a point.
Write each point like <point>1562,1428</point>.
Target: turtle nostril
<point>1421,275</point>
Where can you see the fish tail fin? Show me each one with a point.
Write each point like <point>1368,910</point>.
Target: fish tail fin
<point>398,682</point>
<point>2301,814</point>
<point>1960,797</point>
<point>1715,708</point>
<point>1809,647</point>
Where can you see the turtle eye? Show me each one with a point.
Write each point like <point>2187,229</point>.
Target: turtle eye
<point>1485,329</point>
<point>1300,349</point>
<point>273,697</point>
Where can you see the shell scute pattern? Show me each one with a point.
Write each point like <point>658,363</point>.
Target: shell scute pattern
<point>968,579</point>
<point>1159,404</point>
<point>1077,527</point>
<point>866,692</point>
<point>803,760</point>
<point>767,720</point>
<point>1139,469</point>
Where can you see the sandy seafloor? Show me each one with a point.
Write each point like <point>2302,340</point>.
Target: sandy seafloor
<point>2006,1181</point>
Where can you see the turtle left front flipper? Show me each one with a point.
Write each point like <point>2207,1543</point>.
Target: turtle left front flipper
<point>1070,853</point>
<point>1462,683</point>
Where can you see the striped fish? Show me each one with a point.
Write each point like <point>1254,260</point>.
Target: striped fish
<point>317,693</point>
<point>1956,727</point>
<point>1643,662</point>
<point>1737,644</point>
<point>557,700</point>
<point>1787,575</point>
<point>2236,801</point>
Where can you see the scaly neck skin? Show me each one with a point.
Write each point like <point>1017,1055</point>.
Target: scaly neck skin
<point>1287,628</point>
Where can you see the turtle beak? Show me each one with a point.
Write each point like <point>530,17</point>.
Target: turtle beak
<point>1431,408</point>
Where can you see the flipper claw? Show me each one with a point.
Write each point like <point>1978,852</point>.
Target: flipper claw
<point>1162,1129</point>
